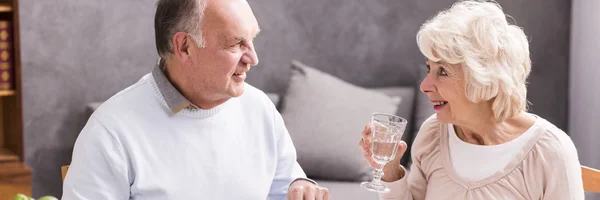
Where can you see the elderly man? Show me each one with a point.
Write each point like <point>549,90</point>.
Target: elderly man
<point>192,128</point>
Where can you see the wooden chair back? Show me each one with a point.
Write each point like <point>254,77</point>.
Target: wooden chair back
<point>591,179</point>
<point>64,170</point>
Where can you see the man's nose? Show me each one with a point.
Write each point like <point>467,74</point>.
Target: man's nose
<point>250,57</point>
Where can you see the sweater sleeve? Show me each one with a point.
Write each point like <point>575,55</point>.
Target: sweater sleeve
<point>97,169</point>
<point>562,174</point>
<point>413,185</point>
<point>288,169</point>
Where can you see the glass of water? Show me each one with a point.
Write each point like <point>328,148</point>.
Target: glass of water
<point>387,131</point>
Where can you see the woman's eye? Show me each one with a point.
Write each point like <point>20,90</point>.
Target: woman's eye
<point>428,68</point>
<point>443,72</point>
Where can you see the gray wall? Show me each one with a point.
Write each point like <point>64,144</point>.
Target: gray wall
<point>78,51</point>
<point>584,95</point>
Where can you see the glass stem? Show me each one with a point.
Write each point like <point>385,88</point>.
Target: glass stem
<point>378,174</point>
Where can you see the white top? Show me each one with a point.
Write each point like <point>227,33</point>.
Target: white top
<point>477,162</point>
<point>134,147</point>
<point>546,168</point>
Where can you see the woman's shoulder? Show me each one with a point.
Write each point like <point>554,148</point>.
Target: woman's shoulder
<point>554,162</point>
<point>552,137</point>
<point>554,144</point>
<point>428,134</point>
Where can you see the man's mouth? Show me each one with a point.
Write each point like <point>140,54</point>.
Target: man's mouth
<point>239,76</point>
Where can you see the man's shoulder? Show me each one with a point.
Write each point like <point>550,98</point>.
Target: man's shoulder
<point>250,90</point>
<point>254,95</point>
<point>127,99</point>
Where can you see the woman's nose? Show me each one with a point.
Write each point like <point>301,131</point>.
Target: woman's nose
<point>427,85</point>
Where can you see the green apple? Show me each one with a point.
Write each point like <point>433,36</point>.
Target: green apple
<point>47,198</point>
<point>21,197</point>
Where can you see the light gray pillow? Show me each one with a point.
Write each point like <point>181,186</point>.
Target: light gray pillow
<point>424,107</point>
<point>325,117</point>
<point>274,97</point>
<point>406,108</point>
<point>91,107</point>
<point>423,110</point>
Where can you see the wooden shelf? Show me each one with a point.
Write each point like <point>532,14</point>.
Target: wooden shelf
<point>14,172</point>
<point>5,8</point>
<point>15,175</point>
<point>9,190</point>
<point>8,156</point>
<point>7,93</point>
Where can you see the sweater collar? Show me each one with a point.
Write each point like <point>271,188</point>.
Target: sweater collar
<point>174,99</point>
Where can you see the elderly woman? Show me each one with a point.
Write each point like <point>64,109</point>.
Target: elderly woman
<point>481,143</point>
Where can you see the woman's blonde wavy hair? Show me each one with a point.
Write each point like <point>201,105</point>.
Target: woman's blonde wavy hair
<point>494,54</point>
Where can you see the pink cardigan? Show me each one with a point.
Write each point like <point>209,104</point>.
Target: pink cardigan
<point>546,169</point>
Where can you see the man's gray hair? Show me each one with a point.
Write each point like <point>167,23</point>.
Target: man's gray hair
<point>174,16</point>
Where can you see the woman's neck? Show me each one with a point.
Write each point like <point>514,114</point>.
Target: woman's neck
<point>484,131</point>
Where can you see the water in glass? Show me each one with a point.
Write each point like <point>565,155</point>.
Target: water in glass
<point>387,131</point>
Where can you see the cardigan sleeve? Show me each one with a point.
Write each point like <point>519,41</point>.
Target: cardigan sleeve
<point>562,173</point>
<point>410,187</point>
<point>413,185</point>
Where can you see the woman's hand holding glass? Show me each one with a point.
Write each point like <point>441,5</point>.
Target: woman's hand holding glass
<point>383,135</point>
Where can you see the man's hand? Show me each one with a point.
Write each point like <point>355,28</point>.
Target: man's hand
<point>305,190</point>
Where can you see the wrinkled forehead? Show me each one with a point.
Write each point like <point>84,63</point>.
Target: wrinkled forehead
<point>434,57</point>
<point>446,65</point>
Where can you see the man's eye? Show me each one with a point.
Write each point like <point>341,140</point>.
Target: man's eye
<point>239,44</point>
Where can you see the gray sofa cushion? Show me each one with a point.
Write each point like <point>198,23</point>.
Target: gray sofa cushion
<point>325,116</point>
<point>274,98</point>
<point>424,108</point>
<point>91,107</point>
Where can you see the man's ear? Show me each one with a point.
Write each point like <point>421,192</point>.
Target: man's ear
<point>181,47</point>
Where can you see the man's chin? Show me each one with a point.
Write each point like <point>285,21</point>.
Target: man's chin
<point>237,90</point>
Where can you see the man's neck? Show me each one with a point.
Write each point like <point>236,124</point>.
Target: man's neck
<point>183,85</point>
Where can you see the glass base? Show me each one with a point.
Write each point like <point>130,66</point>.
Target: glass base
<point>375,187</point>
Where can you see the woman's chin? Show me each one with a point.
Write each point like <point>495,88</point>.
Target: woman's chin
<point>443,117</point>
